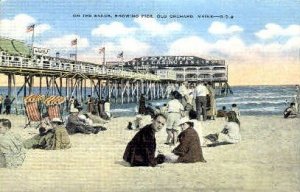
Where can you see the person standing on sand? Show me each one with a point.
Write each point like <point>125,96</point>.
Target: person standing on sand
<point>1,101</point>
<point>175,110</point>
<point>200,93</point>
<point>140,151</point>
<point>297,99</point>
<point>183,90</point>
<point>142,105</point>
<point>7,104</point>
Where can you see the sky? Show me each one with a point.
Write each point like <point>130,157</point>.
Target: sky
<point>259,40</point>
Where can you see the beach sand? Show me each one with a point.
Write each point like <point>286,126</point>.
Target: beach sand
<point>267,159</point>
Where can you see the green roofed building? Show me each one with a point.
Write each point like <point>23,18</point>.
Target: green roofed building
<point>14,47</point>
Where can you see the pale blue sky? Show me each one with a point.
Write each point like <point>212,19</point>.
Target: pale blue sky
<point>205,37</point>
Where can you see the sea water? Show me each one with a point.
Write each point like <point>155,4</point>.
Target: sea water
<point>251,100</point>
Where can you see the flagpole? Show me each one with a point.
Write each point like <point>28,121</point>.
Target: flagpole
<point>32,40</point>
<point>76,52</point>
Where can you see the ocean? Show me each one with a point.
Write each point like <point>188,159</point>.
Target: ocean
<point>251,100</point>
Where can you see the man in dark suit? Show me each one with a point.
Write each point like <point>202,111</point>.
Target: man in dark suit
<point>140,151</point>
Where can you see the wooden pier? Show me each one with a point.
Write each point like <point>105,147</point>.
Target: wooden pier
<point>68,78</point>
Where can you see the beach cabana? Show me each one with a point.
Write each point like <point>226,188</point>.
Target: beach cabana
<point>53,104</point>
<point>32,109</point>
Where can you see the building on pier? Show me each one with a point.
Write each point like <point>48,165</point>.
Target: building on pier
<point>185,68</point>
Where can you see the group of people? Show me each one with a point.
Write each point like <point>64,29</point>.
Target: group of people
<point>6,103</point>
<point>53,135</point>
<point>181,116</point>
<point>94,105</point>
<point>140,151</point>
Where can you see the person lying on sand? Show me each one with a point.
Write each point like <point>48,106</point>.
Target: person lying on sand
<point>75,125</point>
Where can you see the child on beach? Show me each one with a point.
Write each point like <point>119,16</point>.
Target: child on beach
<point>236,110</point>
<point>290,112</point>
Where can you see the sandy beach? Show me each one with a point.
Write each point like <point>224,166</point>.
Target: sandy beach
<point>267,159</point>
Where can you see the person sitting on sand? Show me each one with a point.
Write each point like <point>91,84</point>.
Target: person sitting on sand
<point>222,112</point>
<point>139,122</point>
<point>61,136</point>
<point>140,151</point>
<point>12,152</point>
<point>89,121</point>
<point>51,139</point>
<point>46,123</point>
<point>230,133</point>
<point>75,125</point>
<point>290,112</point>
<point>189,149</point>
<point>43,140</point>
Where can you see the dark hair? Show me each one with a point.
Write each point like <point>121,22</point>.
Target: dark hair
<point>86,115</point>
<point>292,104</point>
<point>223,107</point>
<point>193,114</point>
<point>233,105</point>
<point>159,114</point>
<point>6,123</point>
<point>42,130</point>
<point>231,117</point>
<point>176,95</point>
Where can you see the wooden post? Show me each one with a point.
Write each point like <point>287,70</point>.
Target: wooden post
<point>25,82</point>
<point>30,84</point>
<point>9,80</point>
<point>40,85</point>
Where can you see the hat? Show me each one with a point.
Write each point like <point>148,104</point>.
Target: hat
<point>184,120</point>
<point>74,110</point>
<point>56,120</point>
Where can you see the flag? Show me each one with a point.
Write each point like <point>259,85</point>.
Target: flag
<point>102,50</point>
<point>120,55</point>
<point>74,42</point>
<point>30,28</point>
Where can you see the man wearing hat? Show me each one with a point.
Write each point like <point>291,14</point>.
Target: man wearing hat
<point>189,149</point>
<point>75,125</point>
<point>61,136</point>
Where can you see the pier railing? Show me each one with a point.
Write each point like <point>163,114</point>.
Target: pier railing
<point>53,64</point>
